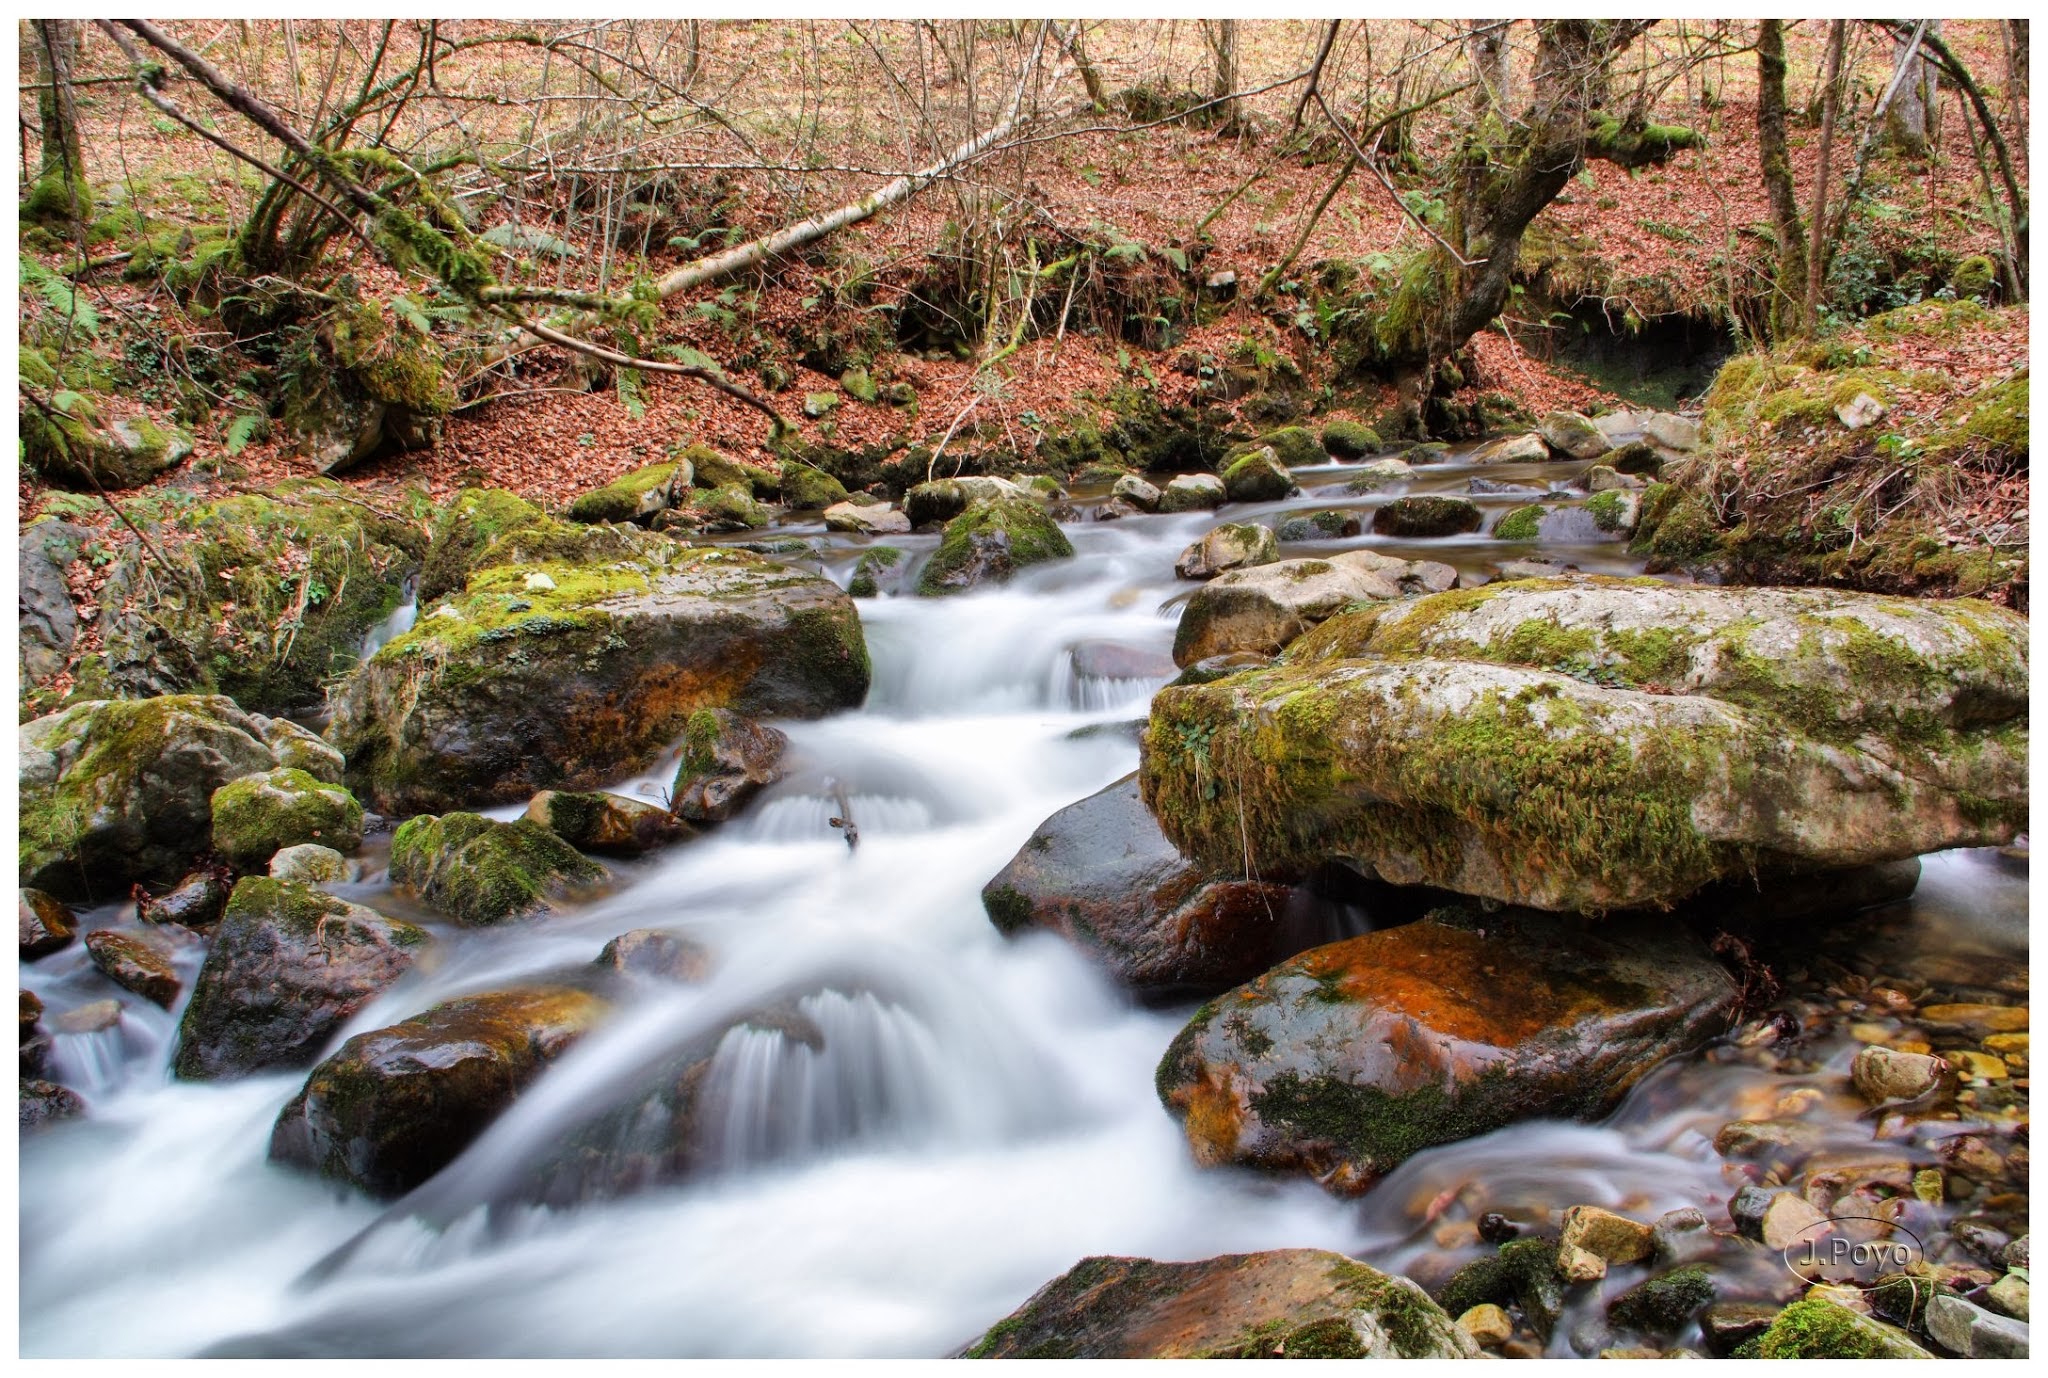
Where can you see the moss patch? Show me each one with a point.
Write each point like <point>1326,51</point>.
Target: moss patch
<point>478,871</point>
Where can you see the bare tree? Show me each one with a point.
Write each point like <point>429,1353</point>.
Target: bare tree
<point>1788,287</point>
<point>61,193</point>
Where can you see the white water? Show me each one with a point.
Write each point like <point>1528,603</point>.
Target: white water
<point>979,1116</point>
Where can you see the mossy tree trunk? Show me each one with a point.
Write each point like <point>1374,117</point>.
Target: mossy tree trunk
<point>60,194</point>
<point>1789,289</point>
<point>1911,121</point>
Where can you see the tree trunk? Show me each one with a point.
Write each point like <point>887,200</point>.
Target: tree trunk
<point>1831,106</point>
<point>60,194</point>
<point>2015,62</point>
<point>1788,292</point>
<point>1486,47</point>
<point>1911,119</point>
<point>1223,43</point>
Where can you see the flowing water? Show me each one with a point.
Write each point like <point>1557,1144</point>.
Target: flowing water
<point>940,1122</point>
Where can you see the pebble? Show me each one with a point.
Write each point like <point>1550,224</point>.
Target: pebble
<point>1964,1328</point>
<point>2015,1253</point>
<point>1594,1238</point>
<point>1981,1066</point>
<point>1927,1186</point>
<point>1496,1228</point>
<point>1886,1074</point>
<point>2009,1296</point>
<point>1788,1216</point>
<point>1635,1352</point>
<point>2011,1047</point>
<point>1982,1019</point>
<point>1871,1033</point>
<point>1681,1234</point>
<point>1488,1325</point>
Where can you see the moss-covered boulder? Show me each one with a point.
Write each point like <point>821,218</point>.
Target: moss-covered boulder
<point>480,871</point>
<point>731,508</point>
<point>1285,1304</point>
<point>1265,607</point>
<point>1351,1057</point>
<point>274,593</point>
<point>113,792</point>
<point>638,496</point>
<point>940,500</point>
<point>601,822</point>
<point>1599,743</point>
<point>1573,436</point>
<point>1101,875</point>
<point>394,1106</point>
<point>47,925</point>
<point>877,565</point>
<point>79,449</point>
<point>136,962</point>
<point>1295,446</point>
<point>257,815</point>
<point>312,864</point>
<point>1193,493</point>
<point>564,676</point>
<point>727,759</point>
<point>1329,525</point>
<point>1427,515</point>
<point>1257,476</point>
<point>989,542</point>
<point>287,968</point>
<point>1524,523</point>
<point>809,489</point>
<point>1820,1329</point>
<point>1512,449</point>
<point>1350,440</point>
<point>1234,545</point>
<point>711,469</point>
<point>1381,473</point>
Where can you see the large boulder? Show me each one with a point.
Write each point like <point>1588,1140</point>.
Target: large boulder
<point>1257,476</point>
<point>1101,875</point>
<point>113,792</point>
<point>940,500</point>
<point>1572,435</point>
<point>288,966</point>
<point>394,1106</point>
<point>479,871</point>
<point>638,496</point>
<point>1234,545</point>
<point>1427,515</point>
<point>562,676</point>
<point>1599,744</point>
<point>989,542</point>
<point>1265,607</point>
<point>1284,1304</point>
<point>1193,493</point>
<point>258,815</point>
<point>1351,1057</point>
<point>727,759</point>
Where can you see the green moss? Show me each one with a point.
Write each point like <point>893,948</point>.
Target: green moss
<point>1609,509</point>
<point>1521,1272</point>
<point>465,534</point>
<point>1663,1305</point>
<point>478,871</point>
<point>1350,439</point>
<point>733,506</point>
<point>1033,537</point>
<point>714,470</point>
<point>1296,446</point>
<point>1996,427</point>
<point>394,363</point>
<point>1684,531</point>
<point>1975,276</point>
<point>259,815</point>
<point>1523,524</point>
<point>628,497</point>
<point>876,560</point>
<point>1252,477</point>
<point>809,488</point>
<point>1816,1329</point>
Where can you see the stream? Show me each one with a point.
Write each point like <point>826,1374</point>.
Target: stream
<point>981,1112</point>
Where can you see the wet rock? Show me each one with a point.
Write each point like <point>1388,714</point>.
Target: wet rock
<point>256,815</point>
<point>46,925</point>
<point>517,691</point>
<point>1235,545</point>
<point>1193,493</point>
<point>1975,1019</point>
<point>1603,479</point>
<point>135,964</point>
<point>1670,432</point>
<point>1100,874</point>
<point>480,871</point>
<point>876,566</point>
<point>604,822</point>
<point>1428,741</point>
<point>1426,516</point>
<point>1522,1272</point>
<point>1663,1305</point>
<point>35,1044</point>
<point>1263,608</point>
<point>1496,1228</point>
<point>638,496</point>
<point>44,1103</point>
<point>1096,659</point>
<point>1320,526</point>
<point>657,953</point>
<point>1257,476</point>
<point>1968,1330</point>
<point>1636,458</point>
<point>1594,1238</point>
<point>287,968</point>
<point>1787,1215</point>
<point>1727,1324</point>
<point>1350,440</point>
<point>1209,669</point>
<point>1288,1303</point>
<point>1571,434</point>
<point>1379,474</point>
<point>394,1106</point>
<point>2016,1254</point>
<point>941,500</point>
<point>90,1017</point>
<point>1819,1329</point>
<point>312,864</point>
<point>1681,1235</point>
<point>988,543</point>
<point>1488,1325</point>
<point>882,520</point>
<point>2008,1296</point>
<point>1771,1140</point>
<point>1884,1074</point>
<point>1137,492</point>
<point>118,791</point>
<point>1509,570</point>
<point>195,902</point>
<point>727,760</point>
<point>1488,487</point>
<point>1347,1059</point>
<point>1512,449</point>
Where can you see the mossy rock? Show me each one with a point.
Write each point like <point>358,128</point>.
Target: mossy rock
<point>1522,1272</point>
<point>1350,439</point>
<point>568,676</point>
<point>598,821</point>
<point>858,384</point>
<point>288,966</point>
<point>1975,276</point>
<point>1818,1329</point>
<point>479,871</point>
<point>1257,476</point>
<point>1285,1304</point>
<point>1664,1305</point>
<point>1427,516</point>
<point>256,816</point>
<point>711,469</point>
<point>74,446</point>
<point>732,509</point>
<point>1524,523</point>
<point>809,489</point>
<point>1320,526</point>
<point>118,792</point>
<point>632,497</point>
<point>989,542</point>
<point>875,563</point>
<point>1296,446</point>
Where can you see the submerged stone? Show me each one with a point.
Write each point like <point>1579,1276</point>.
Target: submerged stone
<point>1344,1061</point>
<point>1284,1304</point>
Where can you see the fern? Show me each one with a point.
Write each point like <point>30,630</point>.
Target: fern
<point>629,386</point>
<point>249,426</point>
<point>523,239</point>
<point>693,358</point>
<point>61,295</point>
